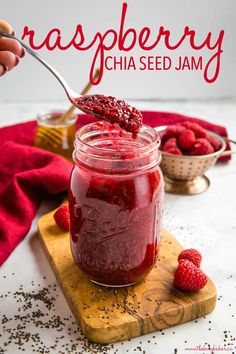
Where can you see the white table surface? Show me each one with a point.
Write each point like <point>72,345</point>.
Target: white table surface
<point>206,222</point>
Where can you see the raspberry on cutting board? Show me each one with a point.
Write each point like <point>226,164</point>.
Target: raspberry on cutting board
<point>62,218</point>
<point>192,255</point>
<point>188,277</point>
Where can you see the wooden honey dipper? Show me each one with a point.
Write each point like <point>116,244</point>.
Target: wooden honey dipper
<point>53,136</point>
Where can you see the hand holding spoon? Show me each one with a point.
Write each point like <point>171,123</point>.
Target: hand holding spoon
<point>103,107</point>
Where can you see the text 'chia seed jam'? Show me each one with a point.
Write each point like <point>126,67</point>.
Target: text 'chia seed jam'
<point>115,199</point>
<point>113,110</point>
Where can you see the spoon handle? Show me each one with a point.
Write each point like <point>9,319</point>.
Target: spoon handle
<point>70,93</point>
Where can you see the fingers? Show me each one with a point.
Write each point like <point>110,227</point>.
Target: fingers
<point>3,70</point>
<point>8,44</point>
<point>10,50</point>
<point>6,26</point>
<point>8,59</point>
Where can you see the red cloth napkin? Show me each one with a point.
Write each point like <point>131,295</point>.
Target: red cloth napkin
<point>29,174</point>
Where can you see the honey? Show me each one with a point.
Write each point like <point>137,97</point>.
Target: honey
<point>56,136</point>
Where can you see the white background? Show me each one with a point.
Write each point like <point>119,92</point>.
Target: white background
<point>31,82</point>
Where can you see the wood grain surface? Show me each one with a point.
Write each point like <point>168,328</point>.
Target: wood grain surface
<point>108,315</point>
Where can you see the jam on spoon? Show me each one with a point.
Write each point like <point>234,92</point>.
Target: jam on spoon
<point>113,110</point>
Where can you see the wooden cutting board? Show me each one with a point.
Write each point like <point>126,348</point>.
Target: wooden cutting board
<point>108,315</point>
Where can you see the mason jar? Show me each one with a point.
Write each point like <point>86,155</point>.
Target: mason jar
<point>115,200</point>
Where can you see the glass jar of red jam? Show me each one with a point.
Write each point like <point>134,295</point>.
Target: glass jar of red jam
<point>115,199</point>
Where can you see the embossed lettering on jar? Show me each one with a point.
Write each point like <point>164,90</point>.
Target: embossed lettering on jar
<point>115,198</point>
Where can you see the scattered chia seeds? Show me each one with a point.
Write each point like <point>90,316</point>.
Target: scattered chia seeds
<point>36,310</point>
<point>26,329</point>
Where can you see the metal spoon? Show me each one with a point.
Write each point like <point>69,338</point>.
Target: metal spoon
<point>70,93</point>
<point>115,111</point>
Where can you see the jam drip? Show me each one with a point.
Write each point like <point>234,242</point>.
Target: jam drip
<point>113,110</point>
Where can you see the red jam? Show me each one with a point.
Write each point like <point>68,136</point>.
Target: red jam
<point>115,200</point>
<point>113,110</point>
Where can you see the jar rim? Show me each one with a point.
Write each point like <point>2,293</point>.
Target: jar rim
<point>81,135</point>
<point>43,118</point>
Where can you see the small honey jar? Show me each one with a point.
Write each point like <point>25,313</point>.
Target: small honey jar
<point>54,134</point>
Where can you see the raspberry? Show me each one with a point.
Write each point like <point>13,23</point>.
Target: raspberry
<point>174,131</point>
<point>202,147</point>
<point>163,137</point>
<point>192,255</point>
<point>186,139</point>
<point>196,128</point>
<point>174,151</point>
<point>214,142</point>
<point>170,143</point>
<point>188,277</point>
<point>62,217</point>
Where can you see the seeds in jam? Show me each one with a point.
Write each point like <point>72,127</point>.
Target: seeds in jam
<point>113,110</point>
